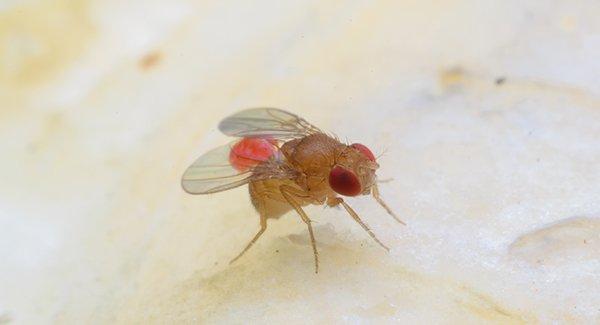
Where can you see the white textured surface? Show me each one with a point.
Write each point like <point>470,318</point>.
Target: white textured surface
<point>104,104</point>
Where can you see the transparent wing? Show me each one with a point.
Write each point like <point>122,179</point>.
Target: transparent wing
<point>213,173</point>
<point>266,123</point>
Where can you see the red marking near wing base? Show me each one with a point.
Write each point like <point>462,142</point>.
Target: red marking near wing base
<point>250,152</point>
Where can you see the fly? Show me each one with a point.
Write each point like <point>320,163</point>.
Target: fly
<point>287,163</point>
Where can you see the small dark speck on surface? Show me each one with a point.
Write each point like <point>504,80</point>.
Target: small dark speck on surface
<point>276,251</point>
<point>500,81</point>
<point>150,60</point>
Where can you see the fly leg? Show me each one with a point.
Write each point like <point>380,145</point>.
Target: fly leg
<point>288,193</point>
<point>263,227</point>
<point>379,200</point>
<point>338,200</point>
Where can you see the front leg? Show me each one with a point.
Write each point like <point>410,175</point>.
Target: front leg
<point>377,197</point>
<point>291,194</point>
<point>334,201</point>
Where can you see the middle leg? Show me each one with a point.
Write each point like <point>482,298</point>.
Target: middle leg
<point>289,193</point>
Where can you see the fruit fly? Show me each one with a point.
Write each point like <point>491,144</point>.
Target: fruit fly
<point>287,163</point>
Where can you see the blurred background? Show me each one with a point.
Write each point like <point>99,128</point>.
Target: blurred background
<point>488,113</point>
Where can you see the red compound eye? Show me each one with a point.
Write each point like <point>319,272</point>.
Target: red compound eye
<point>249,152</point>
<point>364,150</point>
<point>344,181</point>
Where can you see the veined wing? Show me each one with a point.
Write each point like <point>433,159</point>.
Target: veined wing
<point>213,171</point>
<point>266,123</point>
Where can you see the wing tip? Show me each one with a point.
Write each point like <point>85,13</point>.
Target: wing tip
<point>184,188</point>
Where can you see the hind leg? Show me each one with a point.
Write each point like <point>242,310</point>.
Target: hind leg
<point>258,200</point>
<point>263,227</point>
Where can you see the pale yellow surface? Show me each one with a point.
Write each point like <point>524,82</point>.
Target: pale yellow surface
<point>488,113</point>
